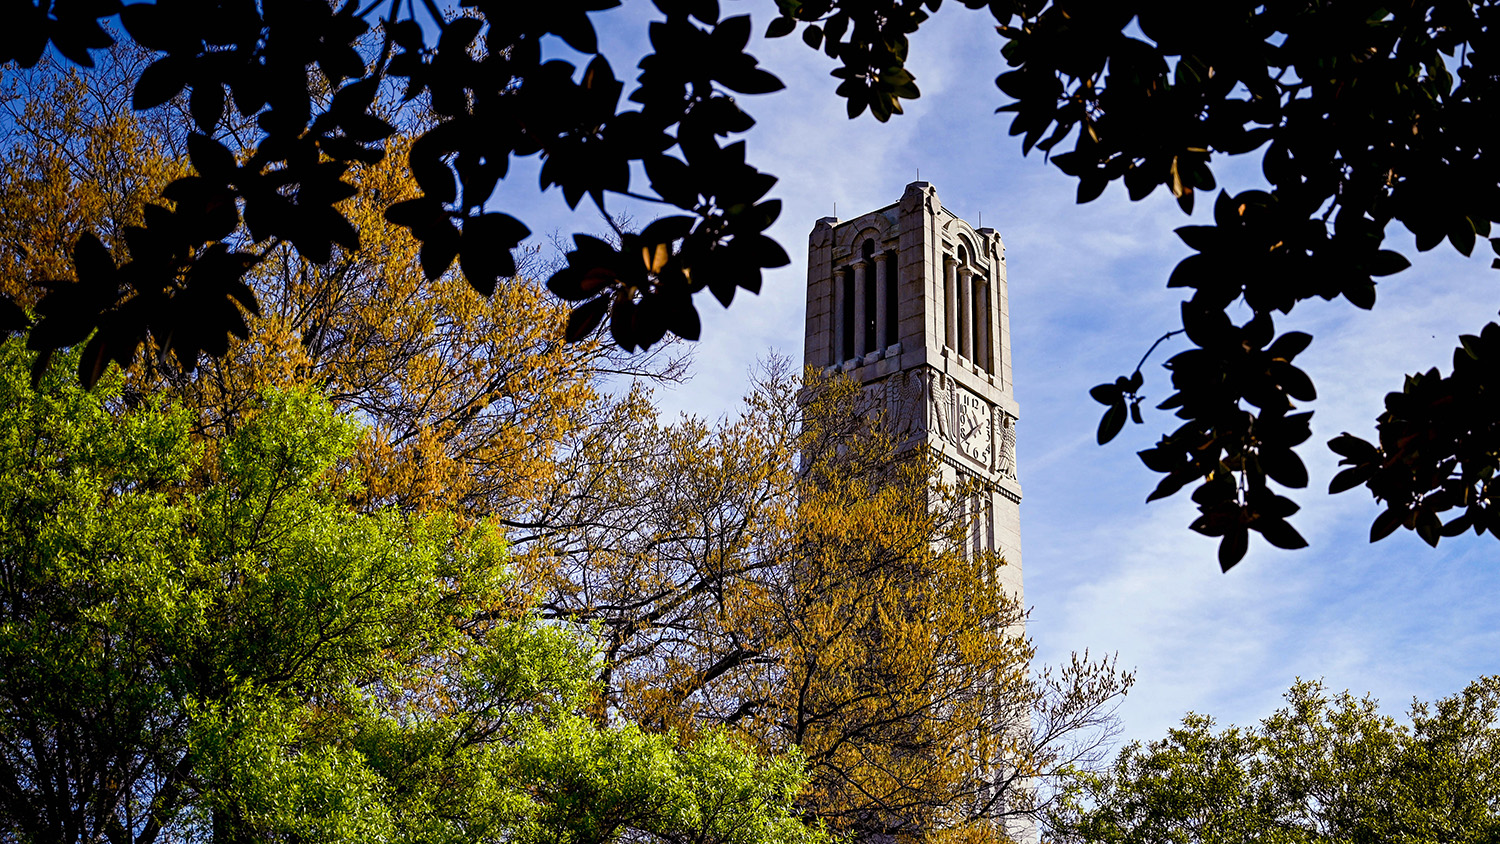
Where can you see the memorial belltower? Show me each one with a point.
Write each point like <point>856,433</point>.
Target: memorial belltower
<point>911,301</point>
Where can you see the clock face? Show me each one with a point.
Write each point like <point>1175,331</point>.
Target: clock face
<point>974,426</point>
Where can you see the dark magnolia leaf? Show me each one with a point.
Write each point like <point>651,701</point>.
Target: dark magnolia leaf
<point>672,180</point>
<point>1191,272</point>
<point>757,218</point>
<point>365,128</point>
<point>1386,262</point>
<point>1216,492</point>
<point>161,81</point>
<point>580,282</point>
<point>1289,345</point>
<point>1458,525</point>
<point>65,326</point>
<point>12,317</point>
<point>1091,187</point>
<point>418,214</point>
<point>1232,548</point>
<point>485,255</point>
<point>1429,527</point>
<point>211,159</point>
<point>92,262</point>
<point>1386,523</point>
<point>1173,401</point>
<point>575,29</point>
<point>1106,393</point>
<point>337,228</point>
<point>106,345</point>
<point>650,322</point>
<point>765,252</point>
<point>1462,238</point>
<point>732,34</point>
<point>1135,413</point>
<point>1294,381</point>
<point>1353,448</point>
<point>750,80</point>
<point>43,358</point>
<point>153,26</point>
<point>1112,422</point>
<point>1350,478</point>
<point>682,318</point>
<point>749,279</point>
<point>1201,238</point>
<point>207,104</point>
<point>1360,292</point>
<point>780,27</point>
<point>667,229</point>
<point>1279,533</point>
<point>622,323</point>
<point>722,285</point>
<point>1207,327</point>
<point>440,245</point>
<point>432,173</point>
<point>1172,483</point>
<point>583,319</point>
<point>1160,459</point>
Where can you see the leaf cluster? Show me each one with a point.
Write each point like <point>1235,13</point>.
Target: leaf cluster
<point>1363,114</point>
<point>1439,439</point>
<point>492,98</point>
<point>1323,768</point>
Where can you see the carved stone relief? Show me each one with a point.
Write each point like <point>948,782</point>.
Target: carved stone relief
<point>940,408</point>
<point>1005,465</point>
<point>906,394</point>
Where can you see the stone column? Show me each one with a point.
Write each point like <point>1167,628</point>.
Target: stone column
<point>839,304</point>
<point>882,282</point>
<point>861,311</point>
<point>966,313</point>
<point>950,302</point>
<point>982,348</point>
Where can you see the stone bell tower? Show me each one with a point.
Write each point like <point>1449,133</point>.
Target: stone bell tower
<point>912,302</point>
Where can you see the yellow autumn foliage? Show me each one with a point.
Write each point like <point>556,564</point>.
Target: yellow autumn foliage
<point>796,574</point>
<point>465,398</point>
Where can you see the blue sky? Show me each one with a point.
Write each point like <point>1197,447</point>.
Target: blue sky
<point>1104,570</point>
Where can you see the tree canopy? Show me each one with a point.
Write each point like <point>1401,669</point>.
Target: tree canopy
<point>206,640</point>
<point>1323,768</point>
<point>1363,116</point>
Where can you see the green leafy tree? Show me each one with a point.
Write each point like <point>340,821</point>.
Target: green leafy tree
<point>205,639</point>
<point>1322,769</point>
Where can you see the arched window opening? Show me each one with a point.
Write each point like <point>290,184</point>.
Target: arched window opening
<point>846,280</point>
<point>892,300</point>
<point>867,254</point>
<point>965,306</point>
